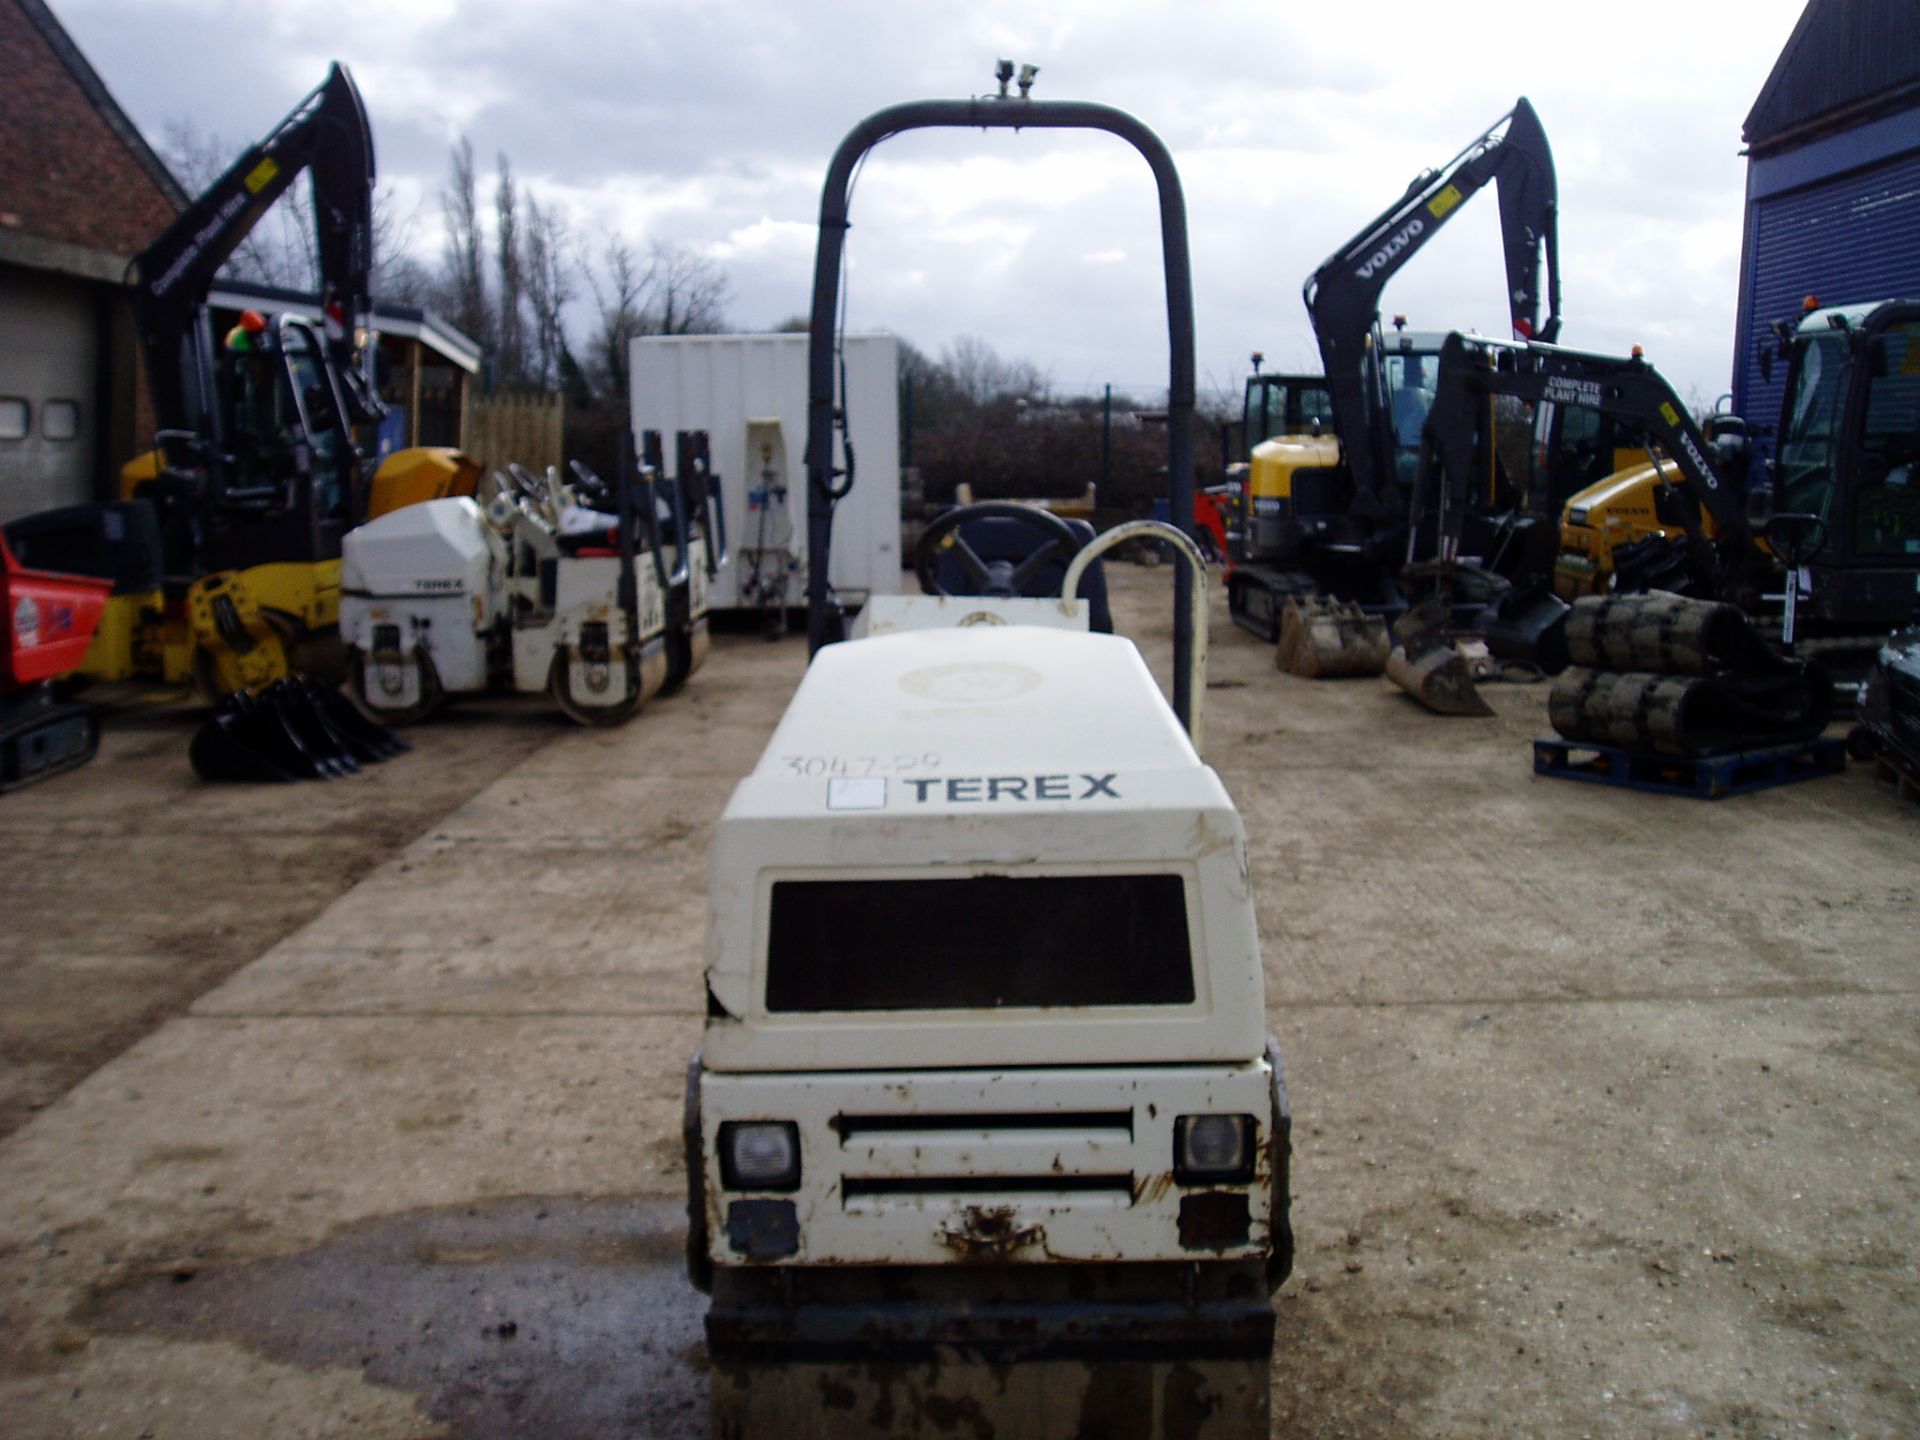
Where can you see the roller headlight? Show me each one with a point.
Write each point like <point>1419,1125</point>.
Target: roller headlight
<point>760,1155</point>
<point>1577,516</point>
<point>1213,1148</point>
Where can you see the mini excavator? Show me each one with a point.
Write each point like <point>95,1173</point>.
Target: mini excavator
<point>1325,515</point>
<point>1824,544</point>
<point>225,548</point>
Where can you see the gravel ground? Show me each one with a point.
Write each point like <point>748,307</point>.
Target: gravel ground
<point>353,1109</point>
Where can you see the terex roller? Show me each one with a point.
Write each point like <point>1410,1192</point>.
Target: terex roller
<point>537,586</point>
<point>985,1121</point>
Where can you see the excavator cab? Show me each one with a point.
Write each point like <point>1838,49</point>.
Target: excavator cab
<point>287,496</point>
<point>1285,405</point>
<point>1407,367</point>
<point>1886,503</point>
<point>1849,454</point>
<point>1806,473</point>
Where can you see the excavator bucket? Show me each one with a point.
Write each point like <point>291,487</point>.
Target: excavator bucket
<point>1324,638</point>
<point>1425,664</point>
<point>292,730</point>
<point>367,740</point>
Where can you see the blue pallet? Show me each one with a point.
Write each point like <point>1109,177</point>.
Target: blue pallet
<point>1705,777</point>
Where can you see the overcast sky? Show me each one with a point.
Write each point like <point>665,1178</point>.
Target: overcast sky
<point>710,125</point>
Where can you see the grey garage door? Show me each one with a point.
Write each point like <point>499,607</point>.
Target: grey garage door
<point>49,349</point>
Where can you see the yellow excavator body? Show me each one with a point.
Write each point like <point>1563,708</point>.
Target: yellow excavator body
<point>421,472</point>
<point>236,645</point>
<point>1272,465</point>
<point>120,642</point>
<point>1625,507</point>
<point>142,637</point>
<point>233,627</point>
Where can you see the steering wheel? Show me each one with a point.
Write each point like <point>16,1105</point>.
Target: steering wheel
<point>597,494</point>
<point>527,484</point>
<point>1794,537</point>
<point>1001,579</point>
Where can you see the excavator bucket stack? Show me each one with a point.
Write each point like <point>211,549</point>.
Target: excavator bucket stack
<point>1324,638</point>
<point>1426,665</point>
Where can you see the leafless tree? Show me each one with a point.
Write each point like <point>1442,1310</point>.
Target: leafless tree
<point>687,292</point>
<point>465,296</point>
<point>398,274</point>
<point>510,333</point>
<point>620,295</point>
<point>981,376</point>
<point>549,285</point>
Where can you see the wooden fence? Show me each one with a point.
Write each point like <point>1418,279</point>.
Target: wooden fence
<point>526,428</point>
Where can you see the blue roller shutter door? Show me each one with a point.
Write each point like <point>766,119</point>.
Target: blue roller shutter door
<point>1845,240</point>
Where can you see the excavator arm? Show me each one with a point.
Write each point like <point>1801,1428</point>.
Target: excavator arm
<point>1627,389</point>
<point>1343,295</point>
<point>326,134</point>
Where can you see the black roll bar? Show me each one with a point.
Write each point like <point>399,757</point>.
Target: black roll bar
<point>825,622</point>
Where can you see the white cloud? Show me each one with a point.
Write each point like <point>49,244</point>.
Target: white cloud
<point>711,125</point>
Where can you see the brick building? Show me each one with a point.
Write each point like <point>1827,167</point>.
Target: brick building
<point>81,193</point>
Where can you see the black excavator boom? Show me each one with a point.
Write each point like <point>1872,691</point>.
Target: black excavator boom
<point>1343,295</point>
<point>1625,388</point>
<point>325,135</point>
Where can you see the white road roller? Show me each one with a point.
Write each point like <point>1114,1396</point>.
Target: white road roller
<point>985,1122</point>
<point>538,585</point>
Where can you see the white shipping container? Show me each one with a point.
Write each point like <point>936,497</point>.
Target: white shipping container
<point>749,393</point>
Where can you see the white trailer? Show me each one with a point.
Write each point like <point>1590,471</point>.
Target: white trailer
<point>749,393</point>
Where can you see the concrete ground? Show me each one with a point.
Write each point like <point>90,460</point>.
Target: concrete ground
<point>1605,1103</point>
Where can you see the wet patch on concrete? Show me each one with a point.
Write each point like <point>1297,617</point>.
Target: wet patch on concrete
<point>556,1317</point>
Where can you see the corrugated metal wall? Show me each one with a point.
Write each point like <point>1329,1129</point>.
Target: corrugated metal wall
<point>1841,53</point>
<point>1849,239</point>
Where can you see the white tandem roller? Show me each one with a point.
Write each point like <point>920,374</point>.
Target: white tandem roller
<point>592,594</point>
<point>985,1123</point>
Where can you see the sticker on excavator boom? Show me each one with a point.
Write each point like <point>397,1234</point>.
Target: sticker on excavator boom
<point>262,175</point>
<point>1444,201</point>
<point>1571,390</point>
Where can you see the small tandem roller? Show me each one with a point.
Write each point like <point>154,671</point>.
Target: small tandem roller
<point>985,1121</point>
